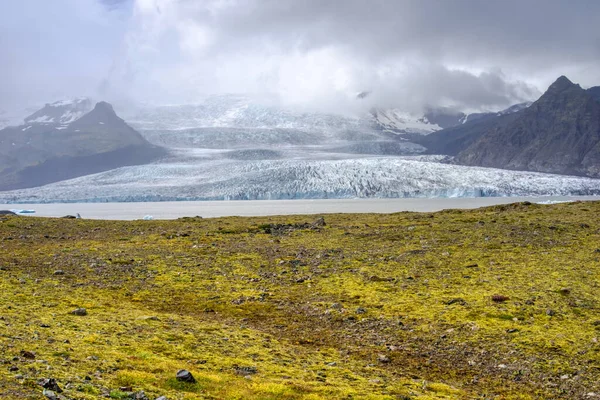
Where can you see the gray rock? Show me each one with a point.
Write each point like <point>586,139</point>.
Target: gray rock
<point>183,375</point>
<point>245,370</point>
<point>50,384</point>
<point>50,394</point>
<point>382,358</point>
<point>162,398</point>
<point>140,396</point>
<point>79,311</point>
<point>59,272</point>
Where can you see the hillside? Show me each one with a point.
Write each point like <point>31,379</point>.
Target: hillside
<point>499,302</point>
<point>63,141</point>
<point>559,133</point>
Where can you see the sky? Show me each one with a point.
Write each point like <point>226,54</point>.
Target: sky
<point>315,54</point>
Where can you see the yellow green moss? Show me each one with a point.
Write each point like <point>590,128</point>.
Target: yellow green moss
<point>369,306</point>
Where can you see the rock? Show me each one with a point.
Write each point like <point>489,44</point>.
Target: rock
<point>375,278</point>
<point>184,375</point>
<point>245,370</point>
<point>162,398</point>
<point>550,312</point>
<point>44,326</point>
<point>457,300</point>
<point>50,394</point>
<point>126,389</point>
<point>79,311</point>
<point>140,396</point>
<point>28,354</point>
<point>498,298</point>
<point>19,376</point>
<point>319,222</point>
<point>13,368</point>
<point>7,212</point>
<point>382,358</point>
<point>50,384</point>
<point>69,217</point>
<point>361,310</point>
<point>565,291</point>
<point>59,272</point>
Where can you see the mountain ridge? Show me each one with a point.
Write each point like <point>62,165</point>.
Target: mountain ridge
<point>558,133</point>
<point>46,149</point>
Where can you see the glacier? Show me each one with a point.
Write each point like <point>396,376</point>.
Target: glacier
<point>231,148</point>
<point>210,175</point>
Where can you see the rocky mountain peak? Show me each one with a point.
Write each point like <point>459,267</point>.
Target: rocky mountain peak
<point>560,85</point>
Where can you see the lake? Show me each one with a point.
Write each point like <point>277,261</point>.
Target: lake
<point>210,209</point>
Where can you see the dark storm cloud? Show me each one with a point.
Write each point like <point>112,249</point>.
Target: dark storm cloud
<point>412,53</point>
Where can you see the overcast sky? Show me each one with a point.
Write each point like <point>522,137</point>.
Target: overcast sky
<point>470,54</point>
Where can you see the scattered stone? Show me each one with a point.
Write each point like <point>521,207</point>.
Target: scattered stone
<point>550,312</point>
<point>69,217</point>
<point>512,330</point>
<point>498,298</point>
<point>361,310</point>
<point>59,272</point>
<point>50,394</point>
<point>126,389</point>
<point>13,368</point>
<point>50,384</point>
<point>79,311</point>
<point>382,358</point>
<point>44,326</point>
<point>472,266</point>
<point>319,222</point>
<point>458,300</point>
<point>19,376</point>
<point>245,370</point>
<point>336,306</point>
<point>331,364</point>
<point>7,212</point>
<point>375,278</point>
<point>565,291</point>
<point>140,396</point>
<point>184,375</point>
<point>28,354</point>
<point>162,398</point>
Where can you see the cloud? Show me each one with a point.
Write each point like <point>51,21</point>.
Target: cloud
<point>468,54</point>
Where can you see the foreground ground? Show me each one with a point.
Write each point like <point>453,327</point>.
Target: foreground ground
<point>495,303</point>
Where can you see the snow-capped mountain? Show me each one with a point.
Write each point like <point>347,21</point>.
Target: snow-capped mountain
<point>510,110</point>
<point>240,112</point>
<point>399,122</point>
<point>61,112</point>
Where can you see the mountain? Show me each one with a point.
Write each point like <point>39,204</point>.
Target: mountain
<point>61,142</point>
<point>595,92</point>
<point>559,133</point>
<point>452,140</point>
<point>61,112</point>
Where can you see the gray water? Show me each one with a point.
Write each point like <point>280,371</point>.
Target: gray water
<point>209,209</point>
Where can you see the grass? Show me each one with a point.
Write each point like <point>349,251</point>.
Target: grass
<point>496,303</point>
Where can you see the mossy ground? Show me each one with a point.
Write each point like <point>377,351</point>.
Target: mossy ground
<point>369,306</point>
